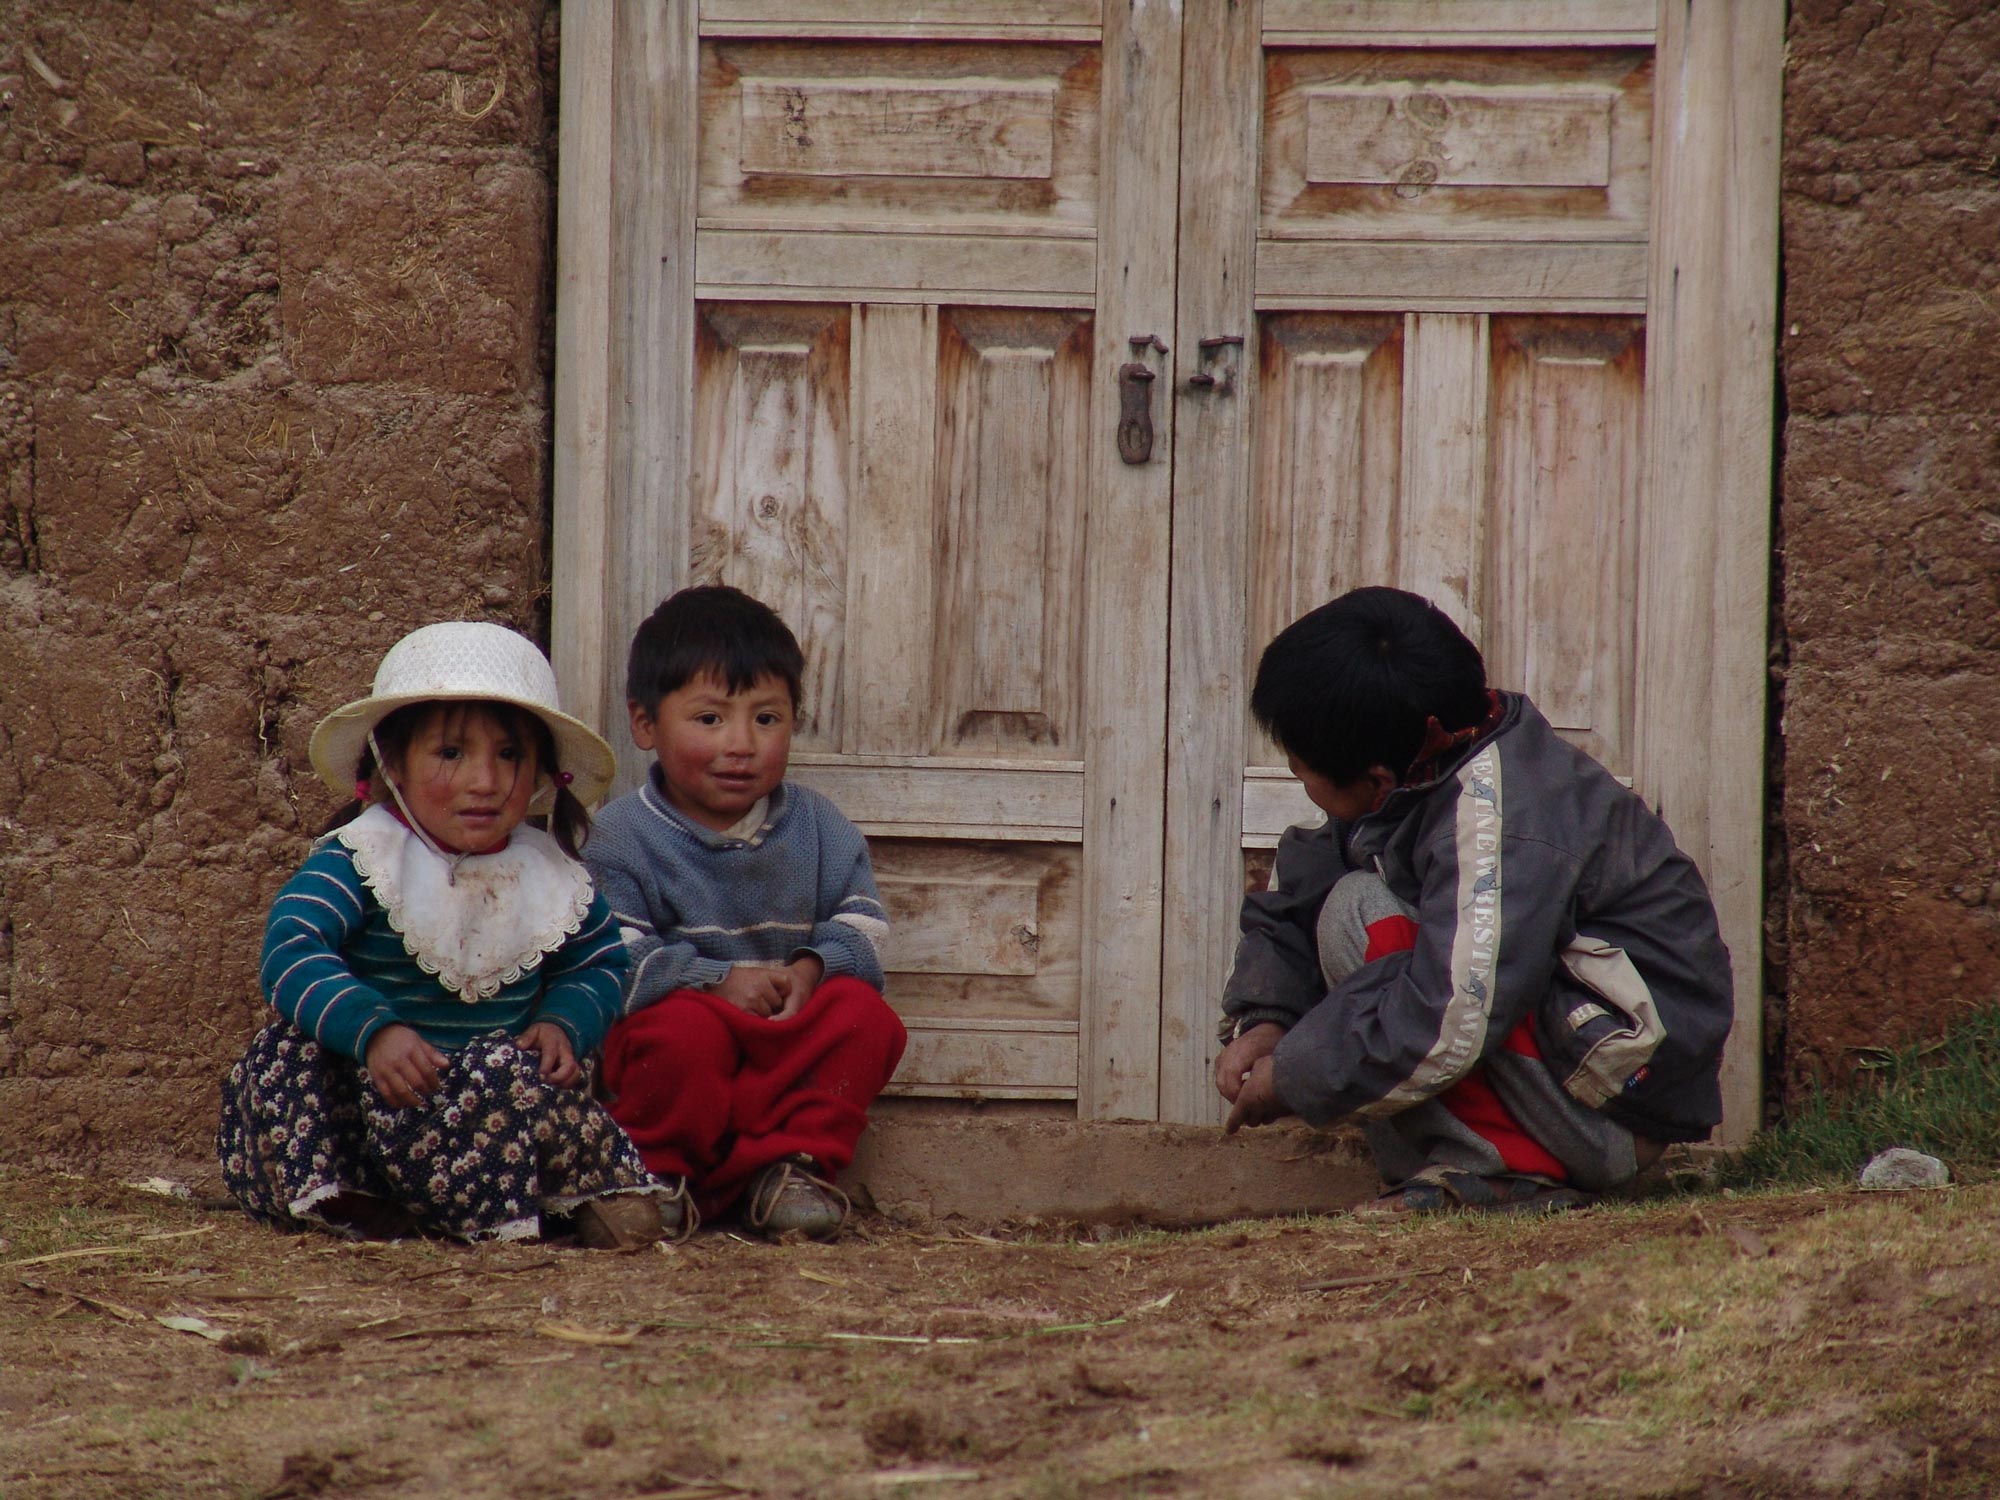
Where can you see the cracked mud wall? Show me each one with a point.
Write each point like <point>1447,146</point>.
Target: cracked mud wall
<point>274,387</point>
<point>1891,524</point>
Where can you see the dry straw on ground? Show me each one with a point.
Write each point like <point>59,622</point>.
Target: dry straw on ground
<point>1803,1344</point>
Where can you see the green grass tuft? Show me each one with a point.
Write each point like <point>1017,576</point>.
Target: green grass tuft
<point>1940,1097</point>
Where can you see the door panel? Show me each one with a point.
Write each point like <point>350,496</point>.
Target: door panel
<point>770,503</point>
<point>1325,498</point>
<point>1013,465</point>
<point>918,137</point>
<point>1491,464</point>
<point>986,953</point>
<point>1451,143</point>
<point>1561,598</point>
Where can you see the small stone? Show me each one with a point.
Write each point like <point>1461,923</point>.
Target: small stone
<point>598,1435</point>
<point>1899,1167</point>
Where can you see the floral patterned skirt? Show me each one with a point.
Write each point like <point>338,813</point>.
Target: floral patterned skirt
<point>483,1158</point>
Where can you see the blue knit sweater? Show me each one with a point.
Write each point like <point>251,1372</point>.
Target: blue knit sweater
<point>692,902</point>
<point>335,968</point>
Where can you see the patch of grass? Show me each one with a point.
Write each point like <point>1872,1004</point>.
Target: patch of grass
<point>1941,1097</point>
<point>44,1231</point>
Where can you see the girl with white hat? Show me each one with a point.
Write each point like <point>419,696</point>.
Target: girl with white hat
<point>440,966</point>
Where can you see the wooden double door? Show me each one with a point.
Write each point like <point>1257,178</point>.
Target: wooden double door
<point>1039,359</point>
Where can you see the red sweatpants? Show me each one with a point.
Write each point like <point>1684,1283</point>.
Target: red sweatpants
<point>712,1093</point>
<point>1472,1099</point>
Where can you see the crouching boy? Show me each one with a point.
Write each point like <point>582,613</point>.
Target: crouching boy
<point>1492,953</point>
<point>755,1034</point>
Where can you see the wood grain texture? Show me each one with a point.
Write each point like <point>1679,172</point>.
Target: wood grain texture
<point>946,267</point>
<point>982,930</point>
<point>654,132</point>
<point>919,136</point>
<point>1458,135</point>
<point>624,315</point>
<point>769,506</point>
<point>581,649</point>
<point>1517,22</point>
<point>1444,494</point>
<point>888,687</point>
<point>875,791</point>
<point>1493,144</point>
<point>976,1063</point>
<point>1326,498</point>
<point>1127,566</point>
<point>1705,530</point>
<point>903,14</point>
<point>1273,801</point>
<point>896,128</point>
<point>1011,466</point>
<point>1419,214</point>
<point>1563,591</point>
<point>962,925</point>
<point>1208,694</point>
<point>1452,277</point>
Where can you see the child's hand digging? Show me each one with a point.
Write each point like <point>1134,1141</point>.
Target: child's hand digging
<point>403,1066</point>
<point>1257,1099</point>
<point>1241,1055</point>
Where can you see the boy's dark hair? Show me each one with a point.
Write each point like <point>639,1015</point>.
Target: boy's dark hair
<point>1353,684</point>
<point>717,630</point>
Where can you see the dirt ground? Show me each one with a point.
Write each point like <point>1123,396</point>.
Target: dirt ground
<point>1689,1346</point>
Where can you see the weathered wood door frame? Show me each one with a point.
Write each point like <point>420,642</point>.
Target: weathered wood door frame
<point>626,289</point>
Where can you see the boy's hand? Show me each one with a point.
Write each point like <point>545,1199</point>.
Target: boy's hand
<point>759,991</point>
<point>1257,1100</point>
<point>801,978</point>
<point>403,1066</point>
<point>551,1043</point>
<point>1243,1054</point>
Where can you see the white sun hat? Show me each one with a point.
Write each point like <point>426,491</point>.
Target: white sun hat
<point>462,660</point>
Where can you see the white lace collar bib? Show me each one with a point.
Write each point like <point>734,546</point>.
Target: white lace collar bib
<point>487,923</point>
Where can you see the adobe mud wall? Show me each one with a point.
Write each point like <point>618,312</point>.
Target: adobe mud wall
<point>1889,526</point>
<point>274,320</point>
<point>274,338</point>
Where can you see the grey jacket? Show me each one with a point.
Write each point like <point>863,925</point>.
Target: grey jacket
<point>1544,889</point>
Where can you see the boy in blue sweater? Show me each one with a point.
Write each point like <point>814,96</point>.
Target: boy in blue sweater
<point>755,1035</point>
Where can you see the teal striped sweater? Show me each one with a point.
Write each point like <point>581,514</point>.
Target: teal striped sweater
<point>335,968</point>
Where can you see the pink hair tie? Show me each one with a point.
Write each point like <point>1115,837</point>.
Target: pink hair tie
<point>363,790</point>
<point>564,778</point>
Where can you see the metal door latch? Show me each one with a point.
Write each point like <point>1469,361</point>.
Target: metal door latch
<point>1212,351</point>
<point>1135,401</point>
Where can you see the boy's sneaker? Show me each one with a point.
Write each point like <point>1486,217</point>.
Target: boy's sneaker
<point>625,1221</point>
<point>790,1197</point>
